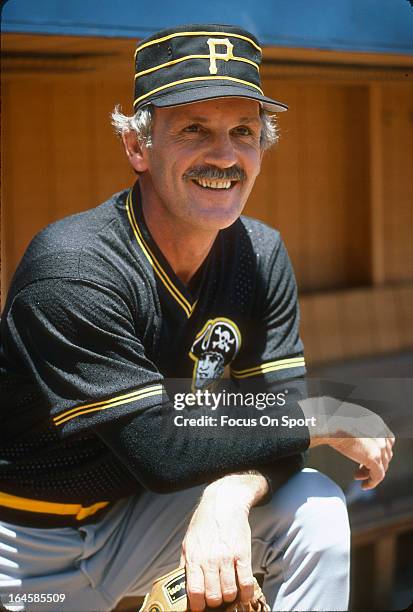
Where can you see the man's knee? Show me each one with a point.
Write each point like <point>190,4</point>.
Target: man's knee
<point>318,514</point>
<point>309,506</point>
<point>308,558</point>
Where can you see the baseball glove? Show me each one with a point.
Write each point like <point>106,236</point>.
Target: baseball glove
<point>168,594</point>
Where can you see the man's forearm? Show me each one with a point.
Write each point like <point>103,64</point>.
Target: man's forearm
<point>198,455</point>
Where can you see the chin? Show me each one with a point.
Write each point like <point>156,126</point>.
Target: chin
<point>216,220</point>
<point>216,224</point>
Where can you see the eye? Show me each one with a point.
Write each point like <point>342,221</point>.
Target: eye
<point>243,130</point>
<point>193,128</point>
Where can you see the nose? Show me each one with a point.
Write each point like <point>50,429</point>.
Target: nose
<point>221,151</point>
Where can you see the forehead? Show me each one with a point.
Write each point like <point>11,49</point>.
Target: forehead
<point>231,109</point>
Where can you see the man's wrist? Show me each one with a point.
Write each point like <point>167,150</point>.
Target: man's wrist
<point>243,489</point>
<point>320,413</point>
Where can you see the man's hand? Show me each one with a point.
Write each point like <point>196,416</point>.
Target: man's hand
<point>355,432</point>
<point>372,454</point>
<point>216,550</point>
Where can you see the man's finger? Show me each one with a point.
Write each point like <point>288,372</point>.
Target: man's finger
<point>389,446</point>
<point>195,587</point>
<point>390,437</point>
<point>385,458</point>
<point>245,580</point>
<point>229,588</point>
<point>213,596</point>
<point>362,473</point>
<point>376,469</point>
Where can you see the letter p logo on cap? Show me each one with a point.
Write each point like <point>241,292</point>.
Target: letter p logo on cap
<point>213,55</point>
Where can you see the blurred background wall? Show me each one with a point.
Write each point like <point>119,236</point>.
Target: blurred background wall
<point>339,185</point>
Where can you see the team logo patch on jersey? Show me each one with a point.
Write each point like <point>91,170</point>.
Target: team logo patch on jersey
<point>214,347</point>
<point>175,589</point>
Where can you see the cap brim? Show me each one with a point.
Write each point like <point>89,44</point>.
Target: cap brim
<point>196,94</point>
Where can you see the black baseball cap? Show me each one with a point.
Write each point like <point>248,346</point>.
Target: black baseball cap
<point>197,62</point>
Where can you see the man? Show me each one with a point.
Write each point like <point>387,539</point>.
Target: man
<point>161,288</point>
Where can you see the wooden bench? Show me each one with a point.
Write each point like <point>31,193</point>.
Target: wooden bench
<point>378,525</point>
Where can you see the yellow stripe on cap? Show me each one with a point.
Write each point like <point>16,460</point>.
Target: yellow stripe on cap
<point>270,366</point>
<point>201,78</point>
<point>189,57</point>
<point>78,511</point>
<point>175,34</point>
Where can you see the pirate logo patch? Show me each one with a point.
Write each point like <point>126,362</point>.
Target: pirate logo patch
<point>214,347</point>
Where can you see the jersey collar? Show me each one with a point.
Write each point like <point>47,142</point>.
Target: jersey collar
<point>177,290</point>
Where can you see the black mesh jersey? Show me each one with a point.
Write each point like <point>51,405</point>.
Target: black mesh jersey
<point>96,321</point>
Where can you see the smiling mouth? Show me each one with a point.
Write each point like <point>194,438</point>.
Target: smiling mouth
<point>214,183</point>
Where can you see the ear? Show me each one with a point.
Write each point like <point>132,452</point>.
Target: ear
<point>136,153</point>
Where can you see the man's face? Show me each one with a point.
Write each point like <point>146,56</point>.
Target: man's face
<point>209,368</point>
<point>204,160</point>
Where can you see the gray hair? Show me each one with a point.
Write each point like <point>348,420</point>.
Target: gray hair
<point>141,124</point>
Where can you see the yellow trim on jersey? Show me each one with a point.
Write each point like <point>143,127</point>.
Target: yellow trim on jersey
<point>173,290</point>
<point>270,366</point>
<point>115,401</point>
<point>34,505</point>
<point>200,78</point>
<point>176,34</point>
<point>189,57</point>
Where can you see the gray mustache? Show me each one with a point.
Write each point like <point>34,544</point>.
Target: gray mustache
<point>235,173</point>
